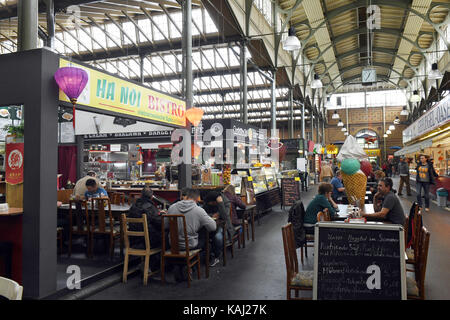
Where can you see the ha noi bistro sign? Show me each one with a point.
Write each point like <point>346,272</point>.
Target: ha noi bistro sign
<point>116,96</point>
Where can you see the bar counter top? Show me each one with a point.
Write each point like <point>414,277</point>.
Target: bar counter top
<point>12,212</point>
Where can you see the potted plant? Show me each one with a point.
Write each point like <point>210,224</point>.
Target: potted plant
<point>16,133</point>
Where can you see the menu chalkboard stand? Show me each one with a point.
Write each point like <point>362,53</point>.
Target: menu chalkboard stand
<point>359,262</point>
<point>290,192</point>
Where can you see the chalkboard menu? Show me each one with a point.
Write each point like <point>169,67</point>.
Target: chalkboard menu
<point>290,191</point>
<point>359,262</point>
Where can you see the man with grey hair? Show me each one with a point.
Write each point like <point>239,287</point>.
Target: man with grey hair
<point>80,187</point>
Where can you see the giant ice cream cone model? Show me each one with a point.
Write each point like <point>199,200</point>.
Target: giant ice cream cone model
<point>355,186</point>
<point>354,179</point>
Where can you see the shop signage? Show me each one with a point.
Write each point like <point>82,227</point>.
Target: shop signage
<point>109,93</point>
<point>373,152</point>
<point>14,163</point>
<point>290,191</point>
<point>359,262</point>
<point>434,118</point>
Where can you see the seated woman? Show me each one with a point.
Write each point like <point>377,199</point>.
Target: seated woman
<point>320,202</point>
<point>236,201</point>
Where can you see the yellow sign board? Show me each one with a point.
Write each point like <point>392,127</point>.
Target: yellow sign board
<point>373,152</point>
<point>109,93</point>
<point>249,178</point>
<point>297,179</point>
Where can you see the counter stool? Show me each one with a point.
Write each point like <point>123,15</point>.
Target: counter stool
<point>6,256</point>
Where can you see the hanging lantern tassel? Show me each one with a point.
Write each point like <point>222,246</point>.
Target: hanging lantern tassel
<point>74,102</point>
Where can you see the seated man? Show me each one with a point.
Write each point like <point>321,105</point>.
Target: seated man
<point>144,205</point>
<point>218,206</point>
<point>391,209</point>
<point>196,218</point>
<point>319,203</point>
<point>94,190</point>
<point>80,187</point>
<point>338,187</point>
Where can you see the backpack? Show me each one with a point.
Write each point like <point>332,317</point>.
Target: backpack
<point>296,216</point>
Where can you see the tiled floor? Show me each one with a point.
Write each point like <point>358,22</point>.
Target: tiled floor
<point>258,271</point>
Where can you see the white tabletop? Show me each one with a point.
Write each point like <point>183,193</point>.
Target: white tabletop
<point>342,213</point>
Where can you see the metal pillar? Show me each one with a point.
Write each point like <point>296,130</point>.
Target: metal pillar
<point>244,105</point>
<point>273,115</point>
<point>312,125</point>
<point>27,12</point>
<point>141,68</point>
<point>50,23</point>
<point>291,113</point>
<point>303,121</point>
<point>185,169</point>
<point>323,132</point>
<point>317,129</point>
<point>80,147</point>
<point>223,106</point>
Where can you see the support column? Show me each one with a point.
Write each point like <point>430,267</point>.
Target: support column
<point>312,125</point>
<point>291,113</point>
<point>303,122</point>
<point>273,115</point>
<point>317,129</point>
<point>50,23</point>
<point>141,68</point>
<point>223,106</point>
<point>244,104</point>
<point>27,12</point>
<point>323,132</point>
<point>80,147</point>
<point>185,169</point>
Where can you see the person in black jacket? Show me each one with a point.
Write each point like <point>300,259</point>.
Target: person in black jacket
<point>424,178</point>
<point>144,205</point>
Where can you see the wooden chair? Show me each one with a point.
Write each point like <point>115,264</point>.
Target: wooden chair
<point>102,223</point>
<point>416,285</point>
<point>59,238</point>
<point>295,280</point>
<point>190,257</point>
<point>118,198</point>
<point>10,289</point>
<point>412,252</point>
<point>132,196</point>
<point>323,215</point>
<point>81,224</point>
<point>226,245</point>
<point>146,253</point>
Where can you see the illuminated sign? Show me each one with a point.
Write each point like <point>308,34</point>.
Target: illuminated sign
<point>109,93</point>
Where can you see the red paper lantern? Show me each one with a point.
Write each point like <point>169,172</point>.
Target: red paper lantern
<point>366,167</point>
<point>194,115</point>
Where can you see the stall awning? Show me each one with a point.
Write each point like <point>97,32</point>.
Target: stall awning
<point>414,147</point>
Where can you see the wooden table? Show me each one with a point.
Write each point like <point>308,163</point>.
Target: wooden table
<point>249,209</point>
<point>12,212</point>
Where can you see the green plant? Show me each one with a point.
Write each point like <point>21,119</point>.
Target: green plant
<point>17,131</point>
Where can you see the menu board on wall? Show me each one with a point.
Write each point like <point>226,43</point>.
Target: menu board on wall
<point>359,262</point>
<point>290,191</point>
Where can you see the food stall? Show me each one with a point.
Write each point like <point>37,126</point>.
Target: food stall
<point>430,135</point>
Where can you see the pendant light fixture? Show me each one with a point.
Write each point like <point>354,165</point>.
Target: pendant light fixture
<point>292,42</point>
<point>391,127</point>
<point>404,111</point>
<point>388,131</point>
<point>344,129</point>
<point>345,133</point>
<point>335,115</point>
<point>340,123</point>
<point>415,97</point>
<point>397,120</point>
<point>434,74</point>
<point>385,135</point>
<point>316,83</point>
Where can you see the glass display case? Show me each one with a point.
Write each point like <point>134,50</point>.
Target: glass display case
<point>271,177</point>
<point>259,180</point>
